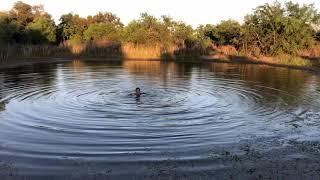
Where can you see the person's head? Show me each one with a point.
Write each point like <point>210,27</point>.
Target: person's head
<point>137,90</point>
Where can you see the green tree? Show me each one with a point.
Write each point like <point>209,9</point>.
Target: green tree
<point>204,34</point>
<point>8,28</point>
<point>181,32</point>
<point>146,30</point>
<point>274,29</point>
<point>20,20</point>
<point>135,33</point>
<point>150,30</point>
<point>205,31</point>
<point>42,30</point>
<point>101,31</point>
<point>226,33</point>
<point>22,13</point>
<point>105,17</point>
<point>71,26</point>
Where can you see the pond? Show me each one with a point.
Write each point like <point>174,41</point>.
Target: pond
<point>195,120</point>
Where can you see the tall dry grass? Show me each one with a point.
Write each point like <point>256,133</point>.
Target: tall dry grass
<point>291,60</point>
<point>29,51</point>
<point>65,50</point>
<point>100,50</point>
<point>312,53</point>
<point>303,59</point>
<point>95,49</point>
<point>133,51</point>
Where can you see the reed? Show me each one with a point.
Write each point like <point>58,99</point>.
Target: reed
<point>133,51</point>
<point>29,51</point>
<point>100,50</point>
<point>311,53</point>
<point>281,59</point>
<point>114,49</point>
<point>292,60</point>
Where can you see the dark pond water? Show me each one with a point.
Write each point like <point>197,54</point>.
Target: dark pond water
<point>78,118</point>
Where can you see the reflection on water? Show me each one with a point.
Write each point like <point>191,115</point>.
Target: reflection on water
<point>286,84</point>
<point>2,104</point>
<point>156,68</point>
<point>53,115</point>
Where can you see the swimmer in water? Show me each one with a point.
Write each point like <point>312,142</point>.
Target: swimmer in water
<point>138,92</point>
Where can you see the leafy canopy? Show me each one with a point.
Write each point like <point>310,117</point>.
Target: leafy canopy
<point>101,31</point>
<point>42,30</point>
<point>275,28</point>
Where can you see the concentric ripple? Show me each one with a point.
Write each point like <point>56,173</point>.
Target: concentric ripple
<point>79,110</point>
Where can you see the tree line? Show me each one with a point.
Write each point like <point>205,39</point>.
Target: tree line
<point>270,29</point>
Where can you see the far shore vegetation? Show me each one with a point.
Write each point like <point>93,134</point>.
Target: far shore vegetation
<point>276,33</point>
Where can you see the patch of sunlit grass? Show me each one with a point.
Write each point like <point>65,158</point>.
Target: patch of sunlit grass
<point>291,60</point>
<point>132,51</point>
<point>312,52</point>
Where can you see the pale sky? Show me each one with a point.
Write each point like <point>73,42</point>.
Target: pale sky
<point>193,12</point>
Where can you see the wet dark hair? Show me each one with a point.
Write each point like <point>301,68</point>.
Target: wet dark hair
<point>137,89</point>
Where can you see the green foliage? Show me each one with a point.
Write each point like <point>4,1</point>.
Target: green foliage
<point>150,30</point>
<point>71,26</point>
<point>146,30</point>
<point>274,29</point>
<point>8,29</point>
<point>226,33</point>
<point>76,39</point>
<point>22,13</point>
<point>42,30</point>
<point>105,17</point>
<point>26,24</point>
<point>204,34</point>
<point>205,31</point>
<point>293,61</point>
<point>181,32</point>
<point>101,31</point>
<point>177,32</point>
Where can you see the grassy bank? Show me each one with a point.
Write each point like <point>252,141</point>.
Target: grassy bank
<point>309,58</point>
<point>100,50</point>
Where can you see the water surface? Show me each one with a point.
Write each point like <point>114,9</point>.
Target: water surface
<point>79,118</point>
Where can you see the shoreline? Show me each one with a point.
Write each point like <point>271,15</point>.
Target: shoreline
<point>16,62</point>
<point>246,60</point>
